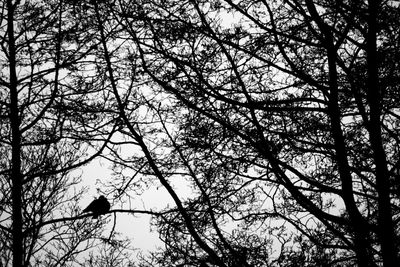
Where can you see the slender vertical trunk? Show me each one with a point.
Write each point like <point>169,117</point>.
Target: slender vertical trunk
<point>357,221</point>
<point>385,224</point>
<point>16,178</point>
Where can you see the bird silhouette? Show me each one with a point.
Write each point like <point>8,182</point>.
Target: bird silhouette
<point>98,207</point>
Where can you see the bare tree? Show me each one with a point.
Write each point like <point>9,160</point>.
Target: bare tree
<point>284,115</point>
<point>54,119</point>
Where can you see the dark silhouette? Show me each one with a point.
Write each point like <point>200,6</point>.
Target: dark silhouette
<point>98,207</point>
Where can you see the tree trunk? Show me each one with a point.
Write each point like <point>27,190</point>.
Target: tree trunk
<point>385,224</point>
<point>16,191</point>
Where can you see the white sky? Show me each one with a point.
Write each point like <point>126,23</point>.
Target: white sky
<point>135,227</point>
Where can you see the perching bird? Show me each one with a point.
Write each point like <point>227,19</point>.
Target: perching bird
<point>98,207</point>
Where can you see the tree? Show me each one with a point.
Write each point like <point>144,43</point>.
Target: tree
<point>285,115</point>
<point>53,121</point>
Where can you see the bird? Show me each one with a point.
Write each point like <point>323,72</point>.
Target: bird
<point>98,207</point>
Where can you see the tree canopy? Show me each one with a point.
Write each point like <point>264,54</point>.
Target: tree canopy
<point>272,125</point>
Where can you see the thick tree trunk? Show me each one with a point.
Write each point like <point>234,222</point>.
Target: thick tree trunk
<point>385,224</point>
<point>16,191</point>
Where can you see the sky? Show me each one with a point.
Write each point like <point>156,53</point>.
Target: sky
<point>135,227</point>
